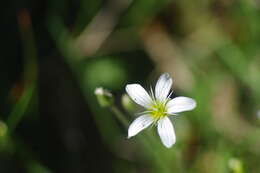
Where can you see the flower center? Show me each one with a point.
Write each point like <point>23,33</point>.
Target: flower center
<point>158,110</point>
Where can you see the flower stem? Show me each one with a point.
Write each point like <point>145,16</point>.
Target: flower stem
<point>146,140</point>
<point>121,117</point>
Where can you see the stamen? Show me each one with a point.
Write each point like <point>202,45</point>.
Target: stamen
<point>144,112</point>
<point>169,95</point>
<point>158,110</point>
<point>152,93</point>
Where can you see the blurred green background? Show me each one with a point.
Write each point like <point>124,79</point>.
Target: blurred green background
<point>55,53</point>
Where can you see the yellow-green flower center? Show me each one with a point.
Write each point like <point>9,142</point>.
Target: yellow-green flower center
<point>158,110</point>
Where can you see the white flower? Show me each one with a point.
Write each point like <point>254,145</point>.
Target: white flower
<point>158,107</point>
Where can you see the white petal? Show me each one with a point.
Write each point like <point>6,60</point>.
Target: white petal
<point>139,124</point>
<point>166,132</point>
<point>139,95</point>
<point>180,104</point>
<point>163,86</point>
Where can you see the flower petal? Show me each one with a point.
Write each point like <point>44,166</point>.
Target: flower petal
<point>139,124</point>
<point>166,132</point>
<point>139,95</point>
<point>180,104</point>
<point>163,86</point>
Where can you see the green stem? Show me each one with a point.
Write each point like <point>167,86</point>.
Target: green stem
<point>121,117</point>
<point>29,74</point>
<point>20,108</point>
<point>146,140</point>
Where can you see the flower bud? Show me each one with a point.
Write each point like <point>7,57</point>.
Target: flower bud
<point>258,114</point>
<point>235,165</point>
<point>4,138</point>
<point>3,129</point>
<point>104,97</point>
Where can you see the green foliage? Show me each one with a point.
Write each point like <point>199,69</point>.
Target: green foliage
<point>211,48</point>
